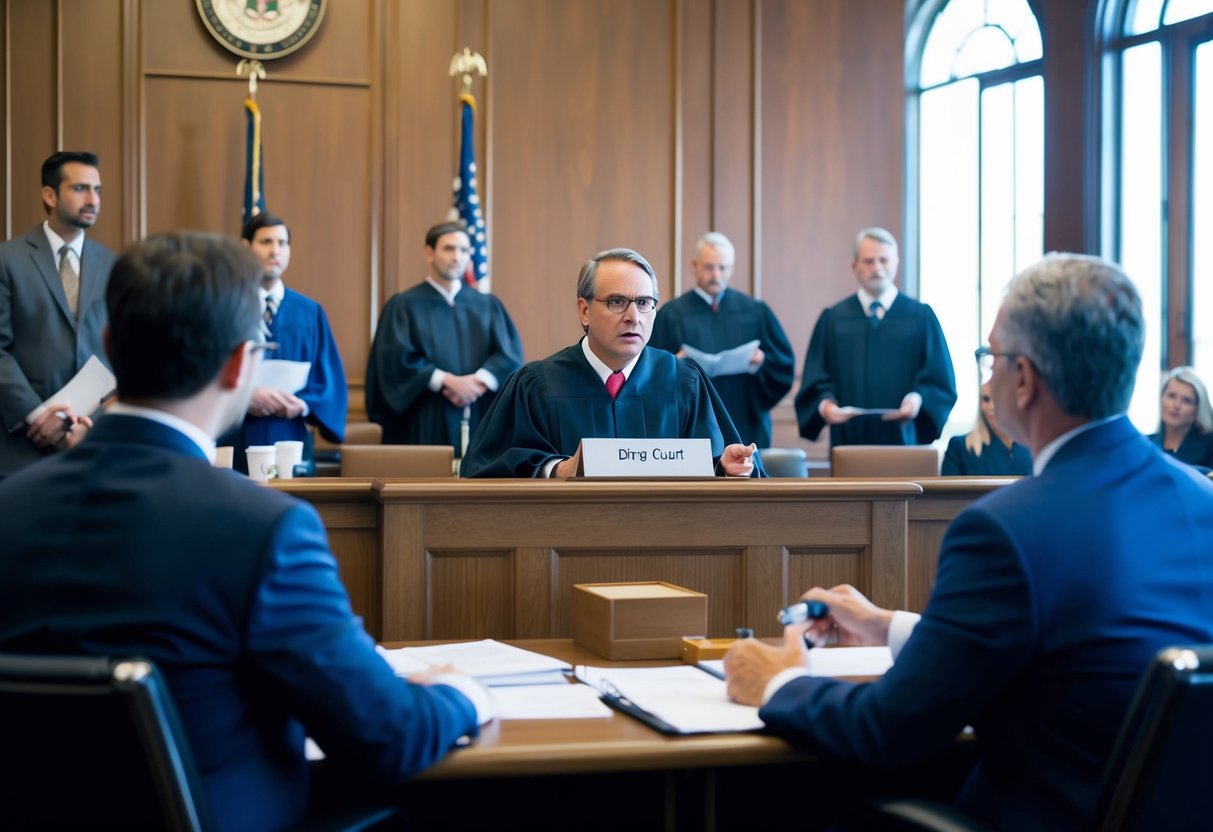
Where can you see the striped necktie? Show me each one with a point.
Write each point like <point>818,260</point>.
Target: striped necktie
<point>267,315</point>
<point>70,280</point>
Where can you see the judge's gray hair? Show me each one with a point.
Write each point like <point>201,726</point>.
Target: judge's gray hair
<point>1078,319</point>
<point>587,281</point>
<point>716,240</point>
<point>879,235</point>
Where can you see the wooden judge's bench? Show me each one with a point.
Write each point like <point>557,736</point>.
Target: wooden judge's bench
<point>462,559</point>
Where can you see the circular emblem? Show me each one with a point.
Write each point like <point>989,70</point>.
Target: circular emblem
<point>262,29</point>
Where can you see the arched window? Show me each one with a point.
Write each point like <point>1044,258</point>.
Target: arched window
<point>975,212</point>
<point>1158,174</point>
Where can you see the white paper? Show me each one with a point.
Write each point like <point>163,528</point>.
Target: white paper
<point>726,362</point>
<point>867,411</point>
<point>549,702</point>
<point>682,696</point>
<point>832,661</point>
<point>489,662</point>
<point>83,394</point>
<point>287,376</point>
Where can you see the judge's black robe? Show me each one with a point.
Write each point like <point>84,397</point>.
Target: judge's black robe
<point>860,365</point>
<point>749,397</point>
<point>1196,449</point>
<point>546,409</point>
<point>420,332</point>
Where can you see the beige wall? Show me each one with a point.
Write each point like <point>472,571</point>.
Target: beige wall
<point>602,123</point>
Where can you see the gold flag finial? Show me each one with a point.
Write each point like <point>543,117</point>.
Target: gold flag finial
<point>254,69</point>
<point>465,63</point>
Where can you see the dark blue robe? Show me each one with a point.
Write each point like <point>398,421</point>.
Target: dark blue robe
<point>301,330</point>
<point>1196,449</point>
<point>546,409</point>
<point>859,365</point>
<point>996,460</point>
<point>749,397</point>
<point>420,332</point>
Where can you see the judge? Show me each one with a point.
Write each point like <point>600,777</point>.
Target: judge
<point>611,384</point>
<point>441,350</point>
<point>877,349</point>
<point>713,318</point>
<point>298,325</point>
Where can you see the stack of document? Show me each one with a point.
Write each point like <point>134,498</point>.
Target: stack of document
<point>832,661</point>
<point>489,662</point>
<point>682,699</point>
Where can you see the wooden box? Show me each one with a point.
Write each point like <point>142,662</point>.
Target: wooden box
<point>643,620</point>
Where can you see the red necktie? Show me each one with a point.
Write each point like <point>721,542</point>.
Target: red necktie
<point>614,382</point>
<point>716,304</point>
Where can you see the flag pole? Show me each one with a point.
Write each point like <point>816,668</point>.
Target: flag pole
<point>465,201</point>
<point>254,174</point>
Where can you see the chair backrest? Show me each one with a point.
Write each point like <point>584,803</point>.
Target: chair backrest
<point>93,743</point>
<point>385,461</point>
<point>1160,773</point>
<point>884,461</point>
<point>785,462</point>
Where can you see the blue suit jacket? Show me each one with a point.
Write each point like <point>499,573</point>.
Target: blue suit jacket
<point>1052,595</point>
<point>231,589</point>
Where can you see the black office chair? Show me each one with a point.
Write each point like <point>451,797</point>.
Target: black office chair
<point>95,743</point>
<point>1159,774</point>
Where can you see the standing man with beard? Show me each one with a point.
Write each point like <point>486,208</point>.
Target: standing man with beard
<point>52,312</point>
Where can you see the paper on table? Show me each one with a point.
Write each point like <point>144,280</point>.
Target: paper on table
<point>726,362</point>
<point>831,661</point>
<point>867,411</point>
<point>83,394</point>
<point>682,696</point>
<point>288,376</point>
<point>488,661</point>
<point>549,702</point>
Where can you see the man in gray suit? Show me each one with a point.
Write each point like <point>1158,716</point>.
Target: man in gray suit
<point>52,312</point>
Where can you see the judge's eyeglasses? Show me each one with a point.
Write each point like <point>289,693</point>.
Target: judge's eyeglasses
<point>619,304</point>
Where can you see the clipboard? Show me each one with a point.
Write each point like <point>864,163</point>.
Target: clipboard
<point>702,709</point>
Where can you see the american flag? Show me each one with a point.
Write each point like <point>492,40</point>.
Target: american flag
<point>466,202</point>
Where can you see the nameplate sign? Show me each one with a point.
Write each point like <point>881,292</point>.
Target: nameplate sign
<point>646,458</point>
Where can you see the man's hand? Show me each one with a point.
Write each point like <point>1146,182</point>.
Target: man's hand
<point>750,664</point>
<point>51,427</point>
<point>757,358</point>
<point>462,391</point>
<point>833,414</point>
<point>267,401</point>
<point>738,460</point>
<point>567,468</point>
<point>853,619</point>
<point>910,406</point>
<point>76,434</point>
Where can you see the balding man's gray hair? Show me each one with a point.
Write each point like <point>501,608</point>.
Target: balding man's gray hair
<point>877,234</point>
<point>716,240</point>
<point>1078,319</point>
<point>587,281</point>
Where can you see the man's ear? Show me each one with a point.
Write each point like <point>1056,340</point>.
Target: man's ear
<point>1027,383</point>
<point>231,374</point>
<point>49,197</point>
<point>583,312</point>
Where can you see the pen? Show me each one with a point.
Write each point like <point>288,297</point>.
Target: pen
<point>801,612</point>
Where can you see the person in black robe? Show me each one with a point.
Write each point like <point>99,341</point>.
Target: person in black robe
<point>986,451</point>
<point>713,318</point>
<point>878,349</point>
<point>609,385</point>
<point>440,352</point>
<point>1185,426</point>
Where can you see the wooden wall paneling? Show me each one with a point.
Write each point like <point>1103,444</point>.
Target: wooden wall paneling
<point>402,586</point>
<point>425,153</point>
<point>810,566</point>
<point>533,578</point>
<point>695,49</point>
<point>888,556</point>
<point>582,136</point>
<point>733,133</point>
<point>33,107</point>
<point>766,588</point>
<point>472,594</point>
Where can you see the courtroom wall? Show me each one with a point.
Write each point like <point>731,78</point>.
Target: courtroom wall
<point>602,123</point>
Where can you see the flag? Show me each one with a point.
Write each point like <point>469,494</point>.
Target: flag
<point>254,175</point>
<point>466,202</point>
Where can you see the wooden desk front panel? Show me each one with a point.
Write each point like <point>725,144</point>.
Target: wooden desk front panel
<point>473,559</point>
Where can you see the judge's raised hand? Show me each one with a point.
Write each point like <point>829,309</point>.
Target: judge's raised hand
<point>853,619</point>
<point>750,664</point>
<point>738,460</point>
<point>51,426</point>
<point>462,391</point>
<point>833,414</point>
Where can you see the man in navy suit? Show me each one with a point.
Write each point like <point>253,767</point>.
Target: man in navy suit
<point>52,311</point>
<point>131,543</point>
<point>1052,594</point>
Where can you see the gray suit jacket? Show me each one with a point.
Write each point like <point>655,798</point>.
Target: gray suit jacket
<point>41,345</point>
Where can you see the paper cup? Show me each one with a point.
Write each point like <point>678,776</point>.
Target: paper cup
<point>260,461</point>
<point>287,454</point>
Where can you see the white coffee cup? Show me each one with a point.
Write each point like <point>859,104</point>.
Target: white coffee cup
<point>223,456</point>
<point>260,462</point>
<point>287,454</point>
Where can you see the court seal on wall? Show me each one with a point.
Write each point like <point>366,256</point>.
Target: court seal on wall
<point>262,29</point>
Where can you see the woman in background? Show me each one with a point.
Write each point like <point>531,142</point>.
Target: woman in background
<point>985,451</point>
<point>1186,420</point>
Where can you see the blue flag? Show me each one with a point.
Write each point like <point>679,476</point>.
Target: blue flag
<point>254,174</point>
<point>466,202</point>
